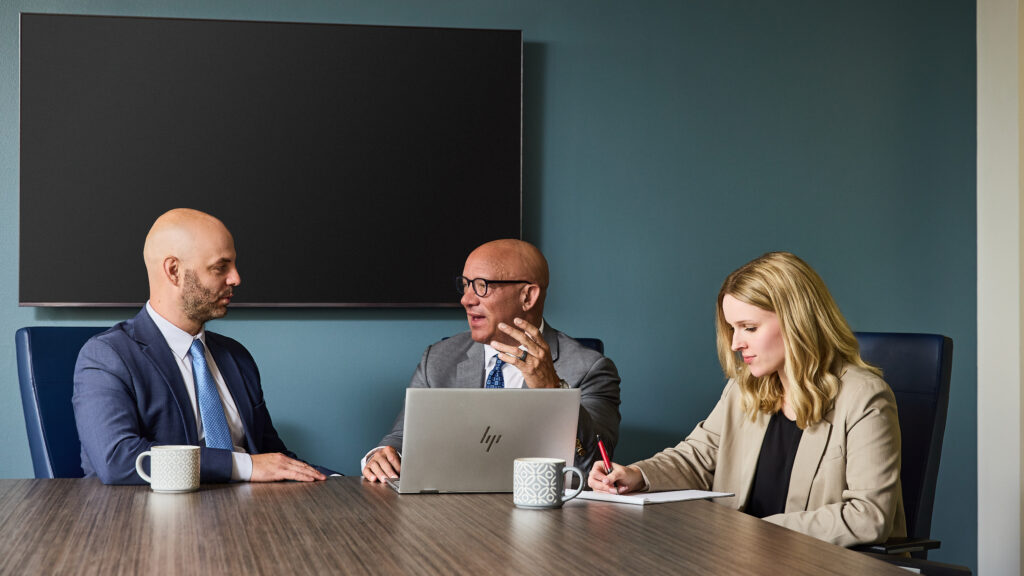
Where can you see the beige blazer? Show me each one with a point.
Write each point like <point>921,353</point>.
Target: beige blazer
<point>845,485</point>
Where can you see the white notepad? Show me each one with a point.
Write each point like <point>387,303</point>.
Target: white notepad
<point>643,498</point>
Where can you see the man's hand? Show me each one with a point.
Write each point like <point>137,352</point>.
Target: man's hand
<point>383,464</point>
<point>537,367</point>
<point>276,466</point>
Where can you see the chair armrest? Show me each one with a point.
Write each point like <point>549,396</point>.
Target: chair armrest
<point>899,546</point>
<point>924,567</point>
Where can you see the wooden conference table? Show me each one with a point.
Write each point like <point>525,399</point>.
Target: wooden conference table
<point>347,526</point>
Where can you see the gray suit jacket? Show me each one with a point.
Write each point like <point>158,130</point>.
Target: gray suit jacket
<point>458,362</point>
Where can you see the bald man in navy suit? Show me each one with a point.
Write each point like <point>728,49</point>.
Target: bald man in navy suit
<point>135,385</point>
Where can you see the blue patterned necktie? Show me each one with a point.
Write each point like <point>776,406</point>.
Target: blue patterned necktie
<point>495,378</point>
<point>215,425</point>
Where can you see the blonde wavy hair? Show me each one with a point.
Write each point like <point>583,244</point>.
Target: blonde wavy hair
<point>818,341</point>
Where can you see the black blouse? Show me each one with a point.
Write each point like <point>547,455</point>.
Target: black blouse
<point>774,467</point>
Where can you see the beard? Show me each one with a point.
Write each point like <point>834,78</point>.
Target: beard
<point>199,303</point>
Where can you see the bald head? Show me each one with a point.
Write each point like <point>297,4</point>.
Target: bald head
<point>177,233</point>
<point>190,261</point>
<point>515,259</point>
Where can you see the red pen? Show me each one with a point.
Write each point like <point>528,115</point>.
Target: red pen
<point>607,461</point>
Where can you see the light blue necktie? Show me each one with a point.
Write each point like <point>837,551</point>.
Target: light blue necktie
<point>215,425</point>
<point>495,379</point>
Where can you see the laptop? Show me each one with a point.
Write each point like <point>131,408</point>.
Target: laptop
<point>466,439</point>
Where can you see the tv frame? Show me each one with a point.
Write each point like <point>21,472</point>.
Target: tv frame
<point>134,221</point>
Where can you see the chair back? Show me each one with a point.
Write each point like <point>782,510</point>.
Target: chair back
<point>46,368</point>
<point>593,343</point>
<point>917,367</point>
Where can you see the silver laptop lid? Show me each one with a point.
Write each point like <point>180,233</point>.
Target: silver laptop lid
<point>466,439</point>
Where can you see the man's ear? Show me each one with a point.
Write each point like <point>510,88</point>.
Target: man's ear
<point>172,270</point>
<point>528,297</point>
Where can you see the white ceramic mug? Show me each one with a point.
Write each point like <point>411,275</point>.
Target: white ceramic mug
<point>172,468</point>
<point>540,482</point>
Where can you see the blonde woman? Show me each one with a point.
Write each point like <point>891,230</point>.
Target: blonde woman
<point>805,433</point>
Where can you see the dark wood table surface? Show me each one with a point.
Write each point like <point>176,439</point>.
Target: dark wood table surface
<point>345,525</point>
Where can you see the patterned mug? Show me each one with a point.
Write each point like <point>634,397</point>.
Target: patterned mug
<point>172,468</point>
<point>540,482</point>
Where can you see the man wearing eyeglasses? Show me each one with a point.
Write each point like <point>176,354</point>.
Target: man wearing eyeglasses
<point>509,345</point>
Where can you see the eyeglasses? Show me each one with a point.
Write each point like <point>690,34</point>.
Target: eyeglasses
<point>480,284</point>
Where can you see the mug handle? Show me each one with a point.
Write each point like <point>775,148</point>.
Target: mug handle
<point>138,466</point>
<point>576,471</point>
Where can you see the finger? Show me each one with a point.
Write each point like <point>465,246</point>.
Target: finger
<point>375,471</point>
<point>305,468</point>
<point>313,474</point>
<point>510,354</point>
<point>301,477</point>
<point>395,462</point>
<point>601,484</point>
<point>607,481</point>
<point>618,474</point>
<point>390,463</point>
<point>298,475</point>
<point>532,332</point>
<point>596,478</point>
<point>300,471</point>
<point>372,471</point>
<point>610,485</point>
<point>369,475</point>
<point>518,334</point>
<point>384,468</point>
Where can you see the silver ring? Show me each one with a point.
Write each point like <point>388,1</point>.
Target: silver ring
<point>522,357</point>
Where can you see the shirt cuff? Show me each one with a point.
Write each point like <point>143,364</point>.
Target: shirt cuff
<point>241,466</point>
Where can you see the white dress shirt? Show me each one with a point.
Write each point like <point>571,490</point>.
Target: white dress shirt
<point>180,343</point>
<point>512,375</point>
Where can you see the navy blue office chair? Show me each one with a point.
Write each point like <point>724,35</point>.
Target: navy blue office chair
<point>917,368</point>
<point>593,343</point>
<point>46,367</point>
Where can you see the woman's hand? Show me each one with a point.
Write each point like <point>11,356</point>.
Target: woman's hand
<point>621,480</point>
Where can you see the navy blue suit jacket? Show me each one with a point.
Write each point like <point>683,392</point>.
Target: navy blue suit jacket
<point>129,395</point>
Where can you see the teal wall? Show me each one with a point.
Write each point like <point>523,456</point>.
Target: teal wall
<point>666,143</point>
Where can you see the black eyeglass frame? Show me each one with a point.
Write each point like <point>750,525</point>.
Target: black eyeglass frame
<point>461,283</point>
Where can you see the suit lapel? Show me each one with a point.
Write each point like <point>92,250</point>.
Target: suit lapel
<point>153,345</point>
<point>752,435</point>
<point>551,337</point>
<point>809,453</point>
<point>470,372</point>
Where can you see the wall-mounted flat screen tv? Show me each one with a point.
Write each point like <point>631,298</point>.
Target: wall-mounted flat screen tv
<point>355,165</point>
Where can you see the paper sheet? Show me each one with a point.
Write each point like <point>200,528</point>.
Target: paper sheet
<point>643,498</point>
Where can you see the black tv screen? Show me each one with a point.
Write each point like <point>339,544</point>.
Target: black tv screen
<point>355,165</point>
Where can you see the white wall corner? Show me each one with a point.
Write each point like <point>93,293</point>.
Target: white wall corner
<point>1000,326</point>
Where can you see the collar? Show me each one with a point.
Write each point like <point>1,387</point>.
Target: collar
<point>179,341</point>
